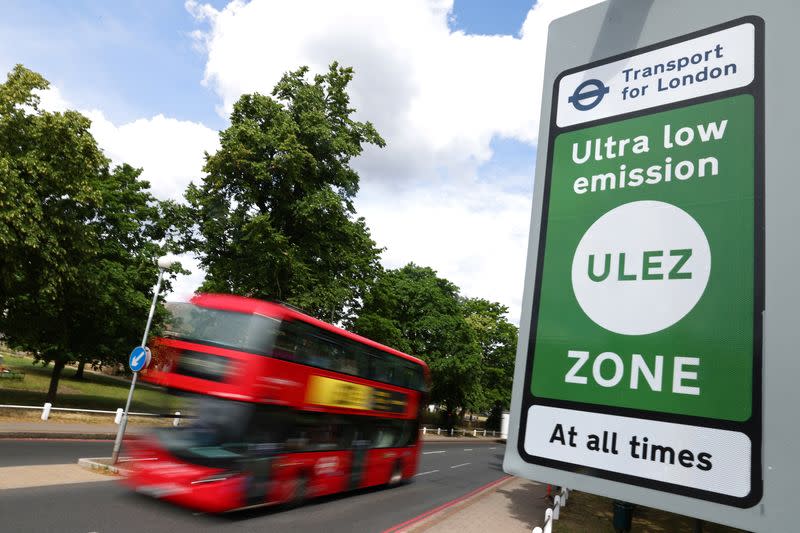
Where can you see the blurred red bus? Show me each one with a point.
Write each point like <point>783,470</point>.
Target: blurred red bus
<point>287,408</point>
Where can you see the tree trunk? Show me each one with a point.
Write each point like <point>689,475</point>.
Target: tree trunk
<point>58,366</point>
<point>79,372</point>
<point>447,418</point>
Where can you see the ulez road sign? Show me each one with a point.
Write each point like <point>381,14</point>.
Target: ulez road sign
<point>647,288</point>
<point>643,338</point>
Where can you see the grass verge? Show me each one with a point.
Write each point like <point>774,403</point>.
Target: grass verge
<point>589,513</point>
<point>94,391</point>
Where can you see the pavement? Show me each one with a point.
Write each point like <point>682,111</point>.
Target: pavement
<point>509,504</point>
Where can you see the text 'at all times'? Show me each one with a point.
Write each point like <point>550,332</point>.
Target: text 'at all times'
<point>636,447</point>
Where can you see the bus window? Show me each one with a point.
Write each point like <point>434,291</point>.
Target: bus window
<point>284,345</point>
<point>314,432</point>
<point>380,369</point>
<point>229,329</point>
<point>392,433</point>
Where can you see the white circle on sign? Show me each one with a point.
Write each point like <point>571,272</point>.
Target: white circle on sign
<point>641,267</point>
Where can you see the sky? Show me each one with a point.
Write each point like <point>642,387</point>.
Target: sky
<point>453,86</point>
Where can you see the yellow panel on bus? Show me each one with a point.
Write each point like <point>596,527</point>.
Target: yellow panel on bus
<point>339,393</point>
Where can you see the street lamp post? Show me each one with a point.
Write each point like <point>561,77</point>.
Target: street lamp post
<point>164,263</point>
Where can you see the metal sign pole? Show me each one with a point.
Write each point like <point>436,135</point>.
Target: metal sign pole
<point>124,422</point>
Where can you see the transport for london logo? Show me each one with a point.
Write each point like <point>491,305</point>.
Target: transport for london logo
<point>588,94</point>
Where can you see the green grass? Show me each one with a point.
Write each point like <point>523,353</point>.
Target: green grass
<point>94,391</point>
<point>589,513</point>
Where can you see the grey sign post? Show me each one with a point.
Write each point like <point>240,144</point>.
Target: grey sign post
<point>655,362</point>
<point>139,358</point>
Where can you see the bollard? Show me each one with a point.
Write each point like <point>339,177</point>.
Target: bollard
<point>451,432</point>
<point>424,430</point>
<point>556,507</point>
<point>564,496</point>
<point>548,520</point>
<point>46,411</point>
<point>463,432</point>
<point>438,431</point>
<point>474,432</point>
<point>118,416</point>
<point>177,419</point>
<point>484,432</point>
<point>623,515</point>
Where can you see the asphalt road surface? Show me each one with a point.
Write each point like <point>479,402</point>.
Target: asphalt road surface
<point>21,452</point>
<point>447,471</point>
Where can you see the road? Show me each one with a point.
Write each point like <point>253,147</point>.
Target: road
<point>21,452</point>
<point>447,471</point>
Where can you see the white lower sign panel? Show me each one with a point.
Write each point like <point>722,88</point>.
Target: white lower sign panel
<point>710,459</point>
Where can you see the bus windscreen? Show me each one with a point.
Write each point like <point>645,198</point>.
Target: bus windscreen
<point>226,329</point>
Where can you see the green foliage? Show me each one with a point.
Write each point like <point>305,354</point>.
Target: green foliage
<point>77,239</point>
<point>468,343</point>
<point>274,217</point>
<point>415,311</point>
<point>497,338</point>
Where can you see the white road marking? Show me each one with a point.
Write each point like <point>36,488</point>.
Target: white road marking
<point>424,473</point>
<point>428,453</point>
<point>462,464</point>
<point>467,449</point>
<point>493,448</point>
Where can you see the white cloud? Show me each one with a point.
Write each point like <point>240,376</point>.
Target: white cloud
<point>170,152</point>
<point>52,100</point>
<point>437,96</point>
<point>474,236</point>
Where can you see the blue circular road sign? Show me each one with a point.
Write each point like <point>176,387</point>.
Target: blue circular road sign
<point>139,358</point>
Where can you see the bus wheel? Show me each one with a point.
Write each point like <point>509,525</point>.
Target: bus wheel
<point>300,492</point>
<point>397,475</point>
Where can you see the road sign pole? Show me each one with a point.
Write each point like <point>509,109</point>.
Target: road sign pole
<point>124,422</point>
<point>152,306</point>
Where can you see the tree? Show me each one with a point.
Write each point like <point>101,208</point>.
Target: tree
<point>414,310</point>
<point>77,239</point>
<point>274,217</point>
<point>497,339</point>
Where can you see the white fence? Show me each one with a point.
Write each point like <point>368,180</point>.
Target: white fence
<point>455,432</point>
<point>47,407</point>
<point>551,513</point>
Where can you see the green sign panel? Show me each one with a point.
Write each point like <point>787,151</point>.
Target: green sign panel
<point>657,243</point>
<point>644,356</point>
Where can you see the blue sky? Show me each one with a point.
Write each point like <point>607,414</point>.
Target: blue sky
<point>137,58</point>
<point>487,17</point>
<point>131,59</point>
<point>459,110</point>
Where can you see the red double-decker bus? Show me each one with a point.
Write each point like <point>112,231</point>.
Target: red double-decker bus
<point>286,407</point>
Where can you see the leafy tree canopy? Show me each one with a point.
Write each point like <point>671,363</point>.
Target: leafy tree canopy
<point>497,339</point>
<point>274,217</point>
<point>414,310</point>
<point>77,239</point>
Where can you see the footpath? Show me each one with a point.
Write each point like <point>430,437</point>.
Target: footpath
<point>509,504</point>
